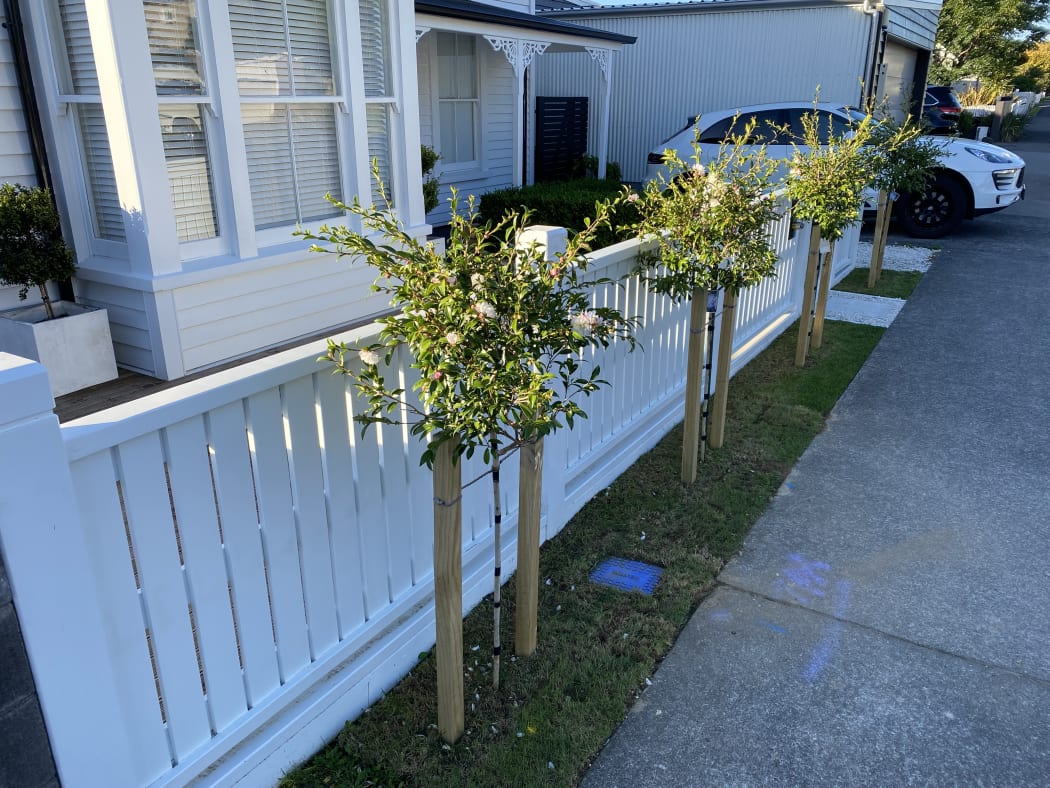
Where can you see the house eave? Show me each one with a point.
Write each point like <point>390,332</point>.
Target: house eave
<point>479,18</point>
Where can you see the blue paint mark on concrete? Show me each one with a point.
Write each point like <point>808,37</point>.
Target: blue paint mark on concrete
<point>828,645</point>
<point>720,614</point>
<point>802,580</point>
<point>770,625</point>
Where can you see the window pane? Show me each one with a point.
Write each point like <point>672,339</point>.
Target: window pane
<point>106,214</point>
<point>465,131</point>
<point>78,75</point>
<point>375,50</point>
<point>268,35</point>
<point>457,66</point>
<point>189,171</point>
<point>172,31</point>
<point>316,159</point>
<point>267,143</point>
<point>379,149</point>
<point>292,162</point>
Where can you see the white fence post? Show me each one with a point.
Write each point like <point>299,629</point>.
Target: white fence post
<point>43,547</point>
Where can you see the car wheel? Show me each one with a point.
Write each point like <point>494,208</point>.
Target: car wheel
<point>935,213</point>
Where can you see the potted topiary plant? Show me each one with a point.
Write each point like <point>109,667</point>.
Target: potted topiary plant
<point>73,341</point>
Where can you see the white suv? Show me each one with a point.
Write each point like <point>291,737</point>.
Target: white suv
<point>973,178</point>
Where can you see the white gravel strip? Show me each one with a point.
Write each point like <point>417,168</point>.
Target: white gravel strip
<point>864,309</point>
<point>898,257</point>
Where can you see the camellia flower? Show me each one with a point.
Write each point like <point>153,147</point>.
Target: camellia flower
<point>699,169</point>
<point>585,322</point>
<point>451,280</point>
<point>477,280</point>
<point>452,338</point>
<point>369,357</point>
<point>437,375</point>
<point>485,309</point>
<point>632,197</point>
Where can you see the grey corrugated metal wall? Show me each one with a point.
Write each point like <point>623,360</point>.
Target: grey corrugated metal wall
<point>913,26</point>
<point>685,63</point>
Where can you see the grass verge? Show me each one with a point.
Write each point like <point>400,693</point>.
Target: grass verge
<point>892,284</point>
<point>556,708</point>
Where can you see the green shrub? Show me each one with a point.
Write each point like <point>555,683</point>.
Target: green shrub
<point>587,167</point>
<point>428,158</point>
<point>566,204</point>
<point>1013,126</point>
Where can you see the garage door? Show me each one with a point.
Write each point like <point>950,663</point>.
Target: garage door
<point>898,79</point>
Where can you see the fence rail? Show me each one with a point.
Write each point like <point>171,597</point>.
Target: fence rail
<point>260,570</point>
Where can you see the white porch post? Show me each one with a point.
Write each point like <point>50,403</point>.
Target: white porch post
<point>520,55</point>
<point>54,590</point>
<point>603,57</point>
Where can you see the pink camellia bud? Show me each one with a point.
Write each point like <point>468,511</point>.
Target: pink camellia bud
<point>437,375</point>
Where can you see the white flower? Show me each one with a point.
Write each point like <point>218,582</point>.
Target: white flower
<point>452,338</point>
<point>369,357</point>
<point>585,322</point>
<point>451,280</point>
<point>477,280</point>
<point>485,309</point>
<point>699,169</point>
<point>632,197</point>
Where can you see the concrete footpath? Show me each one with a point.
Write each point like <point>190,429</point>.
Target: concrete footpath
<point>888,620</point>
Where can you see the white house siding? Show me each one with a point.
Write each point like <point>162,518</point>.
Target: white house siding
<point>687,63</point>
<point>498,93</point>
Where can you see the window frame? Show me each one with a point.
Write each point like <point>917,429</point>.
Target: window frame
<point>461,170</point>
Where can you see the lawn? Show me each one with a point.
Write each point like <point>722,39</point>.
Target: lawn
<point>598,646</point>
<point>891,284</point>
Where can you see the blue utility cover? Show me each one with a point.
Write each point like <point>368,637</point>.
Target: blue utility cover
<point>627,575</point>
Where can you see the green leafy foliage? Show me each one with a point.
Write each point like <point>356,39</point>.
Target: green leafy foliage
<point>827,180</point>
<point>901,159</point>
<point>710,223</point>
<point>32,251</point>
<point>496,334</point>
<point>564,204</point>
<point>429,159</point>
<point>985,38</point>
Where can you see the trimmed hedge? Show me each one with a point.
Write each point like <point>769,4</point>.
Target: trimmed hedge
<point>566,204</point>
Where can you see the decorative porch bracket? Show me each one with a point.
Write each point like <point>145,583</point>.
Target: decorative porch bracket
<point>601,57</point>
<point>519,53</point>
<point>420,32</point>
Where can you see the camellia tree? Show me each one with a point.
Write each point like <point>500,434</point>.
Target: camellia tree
<point>828,175</point>
<point>710,228</point>
<point>900,160</point>
<point>496,332</point>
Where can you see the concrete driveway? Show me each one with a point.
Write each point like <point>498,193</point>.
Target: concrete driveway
<point>888,620</point>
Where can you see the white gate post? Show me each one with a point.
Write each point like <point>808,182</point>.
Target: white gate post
<point>43,546</point>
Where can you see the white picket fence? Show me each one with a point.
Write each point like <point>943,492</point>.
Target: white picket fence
<point>231,569</point>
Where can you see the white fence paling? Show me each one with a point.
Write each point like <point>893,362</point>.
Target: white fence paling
<point>261,570</point>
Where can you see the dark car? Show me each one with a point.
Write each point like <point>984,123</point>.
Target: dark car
<point>940,110</point>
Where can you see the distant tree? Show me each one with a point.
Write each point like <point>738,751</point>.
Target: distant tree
<point>1036,68</point>
<point>986,38</point>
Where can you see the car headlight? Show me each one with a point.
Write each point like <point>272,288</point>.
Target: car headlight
<point>990,156</point>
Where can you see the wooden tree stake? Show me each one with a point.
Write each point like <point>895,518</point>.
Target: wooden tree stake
<point>878,246</point>
<point>822,298</point>
<point>717,429</point>
<point>805,320</point>
<point>530,491</point>
<point>448,590</point>
<point>694,376</point>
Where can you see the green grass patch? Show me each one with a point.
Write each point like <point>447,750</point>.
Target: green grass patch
<point>556,708</point>
<point>891,284</point>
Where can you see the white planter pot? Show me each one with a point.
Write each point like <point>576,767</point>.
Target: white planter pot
<point>76,348</point>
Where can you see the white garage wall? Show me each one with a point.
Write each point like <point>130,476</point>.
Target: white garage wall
<point>688,62</point>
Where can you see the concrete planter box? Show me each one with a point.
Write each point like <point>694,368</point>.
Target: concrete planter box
<point>76,347</point>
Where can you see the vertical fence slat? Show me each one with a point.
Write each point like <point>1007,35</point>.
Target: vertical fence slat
<point>398,511</point>
<point>300,403</point>
<point>371,504</point>
<point>342,502</point>
<point>243,549</point>
<point>421,494</point>
<point>194,497</point>
<point>152,531</point>
<point>277,527</point>
<point>96,491</point>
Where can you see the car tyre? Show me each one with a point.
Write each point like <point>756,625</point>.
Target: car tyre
<point>935,213</point>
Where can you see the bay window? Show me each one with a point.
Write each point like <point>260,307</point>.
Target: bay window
<point>262,108</point>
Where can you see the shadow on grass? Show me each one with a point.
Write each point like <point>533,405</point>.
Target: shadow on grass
<point>556,708</point>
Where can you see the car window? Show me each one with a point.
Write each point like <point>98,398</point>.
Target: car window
<point>767,128</point>
<point>828,125</point>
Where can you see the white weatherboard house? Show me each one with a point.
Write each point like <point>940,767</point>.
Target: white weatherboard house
<point>706,55</point>
<point>185,140</point>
